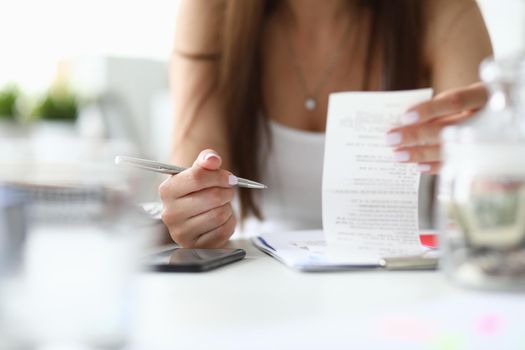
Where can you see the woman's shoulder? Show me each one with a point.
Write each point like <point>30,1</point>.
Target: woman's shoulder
<point>198,26</point>
<point>452,23</point>
<point>442,16</point>
<point>456,41</point>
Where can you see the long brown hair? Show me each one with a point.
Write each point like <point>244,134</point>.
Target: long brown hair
<point>395,31</point>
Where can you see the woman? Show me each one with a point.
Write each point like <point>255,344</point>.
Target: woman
<point>251,80</point>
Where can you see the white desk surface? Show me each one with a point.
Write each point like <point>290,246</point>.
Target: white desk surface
<point>258,303</point>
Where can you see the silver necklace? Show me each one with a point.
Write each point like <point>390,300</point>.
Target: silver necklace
<point>311,96</point>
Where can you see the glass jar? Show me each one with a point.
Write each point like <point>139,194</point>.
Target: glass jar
<point>12,235</point>
<point>482,186</point>
<point>83,240</point>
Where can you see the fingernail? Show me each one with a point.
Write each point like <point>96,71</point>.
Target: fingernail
<point>409,118</point>
<point>423,168</point>
<point>233,180</point>
<point>393,138</point>
<point>401,156</point>
<point>211,155</point>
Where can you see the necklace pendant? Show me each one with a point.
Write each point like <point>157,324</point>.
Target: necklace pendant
<point>310,104</point>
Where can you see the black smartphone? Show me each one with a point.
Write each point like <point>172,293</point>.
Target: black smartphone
<point>192,260</point>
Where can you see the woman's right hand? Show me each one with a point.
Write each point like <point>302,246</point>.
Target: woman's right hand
<point>197,203</point>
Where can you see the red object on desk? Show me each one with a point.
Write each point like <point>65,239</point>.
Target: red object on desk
<point>429,240</point>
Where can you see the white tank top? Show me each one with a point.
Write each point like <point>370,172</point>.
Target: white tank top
<point>293,173</point>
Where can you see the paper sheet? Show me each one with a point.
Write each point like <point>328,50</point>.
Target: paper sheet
<point>306,250</point>
<point>303,251</point>
<point>370,202</point>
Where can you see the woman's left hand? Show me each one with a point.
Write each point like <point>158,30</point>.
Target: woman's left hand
<point>417,140</point>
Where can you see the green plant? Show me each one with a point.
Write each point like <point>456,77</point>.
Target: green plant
<point>8,98</point>
<point>57,104</point>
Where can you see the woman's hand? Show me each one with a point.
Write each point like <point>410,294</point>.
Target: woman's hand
<point>197,203</point>
<point>418,139</point>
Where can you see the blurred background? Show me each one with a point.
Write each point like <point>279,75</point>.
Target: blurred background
<point>99,69</point>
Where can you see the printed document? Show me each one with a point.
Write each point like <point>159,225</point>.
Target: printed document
<point>370,201</point>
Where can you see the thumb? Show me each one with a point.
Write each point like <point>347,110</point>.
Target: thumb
<point>209,160</point>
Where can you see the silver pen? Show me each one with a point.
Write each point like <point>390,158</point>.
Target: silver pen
<point>169,169</point>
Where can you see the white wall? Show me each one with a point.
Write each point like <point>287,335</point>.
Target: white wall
<point>506,23</point>
<point>35,34</point>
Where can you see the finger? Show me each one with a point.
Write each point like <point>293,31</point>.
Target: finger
<point>420,154</point>
<point>449,102</point>
<point>195,179</point>
<point>208,159</point>
<point>429,167</point>
<point>423,134</point>
<point>202,201</point>
<point>187,232</point>
<point>202,174</point>
<point>218,237</point>
<point>420,135</point>
<point>205,222</point>
<point>453,119</point>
